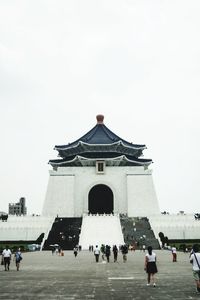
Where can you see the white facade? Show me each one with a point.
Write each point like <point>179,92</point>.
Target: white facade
<point>69,187</point>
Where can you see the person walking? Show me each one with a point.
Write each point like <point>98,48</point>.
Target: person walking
<point>96,253</point>
<point>75,251</point>
<point>174,254</point>
<point>124,250</point>
<point>103,247</point>
<point>115,252</point>
<point>107,252</point>
<point>150,266</point>
<point>53,250</point>
<point>195,261</point>
<point>18,258</point>
<point>6,257</point>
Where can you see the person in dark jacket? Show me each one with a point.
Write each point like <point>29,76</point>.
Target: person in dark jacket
<point>107,253</point>
<point>115,252</point>
<point>124,250</point>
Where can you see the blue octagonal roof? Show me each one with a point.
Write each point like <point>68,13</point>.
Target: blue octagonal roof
<point>100,142</point>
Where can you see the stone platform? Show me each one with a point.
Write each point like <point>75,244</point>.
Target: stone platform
<point>46,276</point>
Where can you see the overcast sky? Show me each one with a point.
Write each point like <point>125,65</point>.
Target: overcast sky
<point>63,62</point>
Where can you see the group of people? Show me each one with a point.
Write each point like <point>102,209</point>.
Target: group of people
<point>7,256</point>
<point>57,250</point>
<point>105,251</point>
<point>150,263</point>
<point>151,267</point>
<point>150,259</point>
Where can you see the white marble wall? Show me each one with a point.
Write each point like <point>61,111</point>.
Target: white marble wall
<point>68,189</point>
<point>176,226</point>
<point>141,195</point>
<point>60,195</point>
<point>24,227</point>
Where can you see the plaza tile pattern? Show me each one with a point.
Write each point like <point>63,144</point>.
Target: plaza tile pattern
<point>46,276</point>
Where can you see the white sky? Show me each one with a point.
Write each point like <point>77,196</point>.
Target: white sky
<point>63,62</point>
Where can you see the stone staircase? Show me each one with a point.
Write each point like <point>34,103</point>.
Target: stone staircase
<point>137,231</point>
<point>101,229</point>
<point>64,232</point>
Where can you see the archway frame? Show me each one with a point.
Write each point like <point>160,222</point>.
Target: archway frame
<point>100,200</point>
<point>110,186</point>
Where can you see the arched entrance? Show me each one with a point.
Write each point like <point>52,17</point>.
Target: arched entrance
<point>100,200</point>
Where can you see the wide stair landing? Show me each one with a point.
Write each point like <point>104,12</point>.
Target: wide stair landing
<point>64,232</point>
<point>137,231</point>
<point>101,229</point>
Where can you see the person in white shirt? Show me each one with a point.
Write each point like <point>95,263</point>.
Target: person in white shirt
<point>97,253</point>
<point>174,254</point>
<point>6,257</point>
<point>150,266</point>
<point>195,261</point>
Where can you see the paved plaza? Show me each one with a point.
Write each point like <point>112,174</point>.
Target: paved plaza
<point>46,276</point>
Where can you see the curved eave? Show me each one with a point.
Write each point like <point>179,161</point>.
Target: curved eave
<point>117,161</point>
<point>99,134</point>
<point>119,147</point>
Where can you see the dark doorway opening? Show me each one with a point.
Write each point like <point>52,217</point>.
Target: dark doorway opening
<point>100,200</point>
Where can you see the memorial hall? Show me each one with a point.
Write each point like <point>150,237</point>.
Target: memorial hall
<point>100,191</point>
